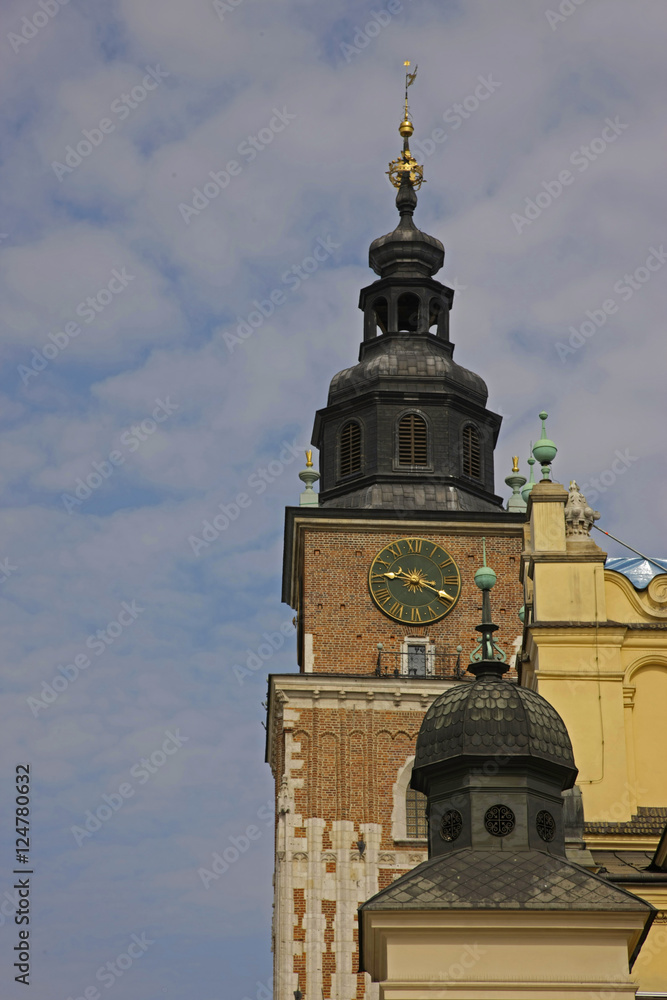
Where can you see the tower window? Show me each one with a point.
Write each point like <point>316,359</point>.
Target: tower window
<point>408,312</point>
<point>416,824</point>
<point>417,660</point>
<point>472,457</point>
<point>412,440</point>
<point>434,310</point>
<point>381,311</point>
<point>350,448</point>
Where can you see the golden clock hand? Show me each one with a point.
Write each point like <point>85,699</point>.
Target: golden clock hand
<point>422,583</point>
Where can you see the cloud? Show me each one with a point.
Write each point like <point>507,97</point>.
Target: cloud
<point>169,332</point>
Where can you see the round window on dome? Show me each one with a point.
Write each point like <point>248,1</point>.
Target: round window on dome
<point>546,825</point>
<point>499,820</point>
<point>451,825</point>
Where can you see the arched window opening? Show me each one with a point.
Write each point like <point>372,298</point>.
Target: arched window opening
<point>416,824</point>
<point>381,311</point>
<point>408,313</point>
<point>350,448</point>
<point>472,456</point>
<point>412,440</point>
<point>434,312</point>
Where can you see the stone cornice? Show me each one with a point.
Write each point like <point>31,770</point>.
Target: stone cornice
<point>289,692</point>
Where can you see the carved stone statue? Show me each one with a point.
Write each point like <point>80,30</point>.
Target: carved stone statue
<point>579,516</point>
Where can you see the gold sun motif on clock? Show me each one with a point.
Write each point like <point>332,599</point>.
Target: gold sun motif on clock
<point>414,580</point>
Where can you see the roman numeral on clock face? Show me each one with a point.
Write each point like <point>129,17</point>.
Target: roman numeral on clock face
<point>396,609</point>
<point>446,563</point>
<point>450,581</point>
<point>414,544</point>
<point>383,595</point>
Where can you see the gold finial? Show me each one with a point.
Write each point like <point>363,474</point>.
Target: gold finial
<point>309,459</point>
<point>515,463</point>
<point>405,162</point>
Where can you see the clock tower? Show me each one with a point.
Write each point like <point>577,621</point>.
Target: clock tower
<point>380,574</point>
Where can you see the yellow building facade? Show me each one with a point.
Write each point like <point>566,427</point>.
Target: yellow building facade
<point>596,648</point>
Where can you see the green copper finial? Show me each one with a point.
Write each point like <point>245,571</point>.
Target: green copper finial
<point>525,492</point>
<point>309,498</point>
<point>515,481</point>
<point>486,649</point>
<point>545,450</point>
<point>485,577</point>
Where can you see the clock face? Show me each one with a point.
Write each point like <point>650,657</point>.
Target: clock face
<point>415,581</point>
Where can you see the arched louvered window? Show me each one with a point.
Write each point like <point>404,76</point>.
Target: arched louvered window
<point>412,440</point>
<point>350,448</point>
<point>472,456</point>
<point>415,814</point>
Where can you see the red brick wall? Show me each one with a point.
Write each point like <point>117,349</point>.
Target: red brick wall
<point>346,624</point>
<point>355,786</point>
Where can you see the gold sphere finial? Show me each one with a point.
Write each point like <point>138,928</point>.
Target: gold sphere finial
<point>405,163</point>
<point>309,459</point>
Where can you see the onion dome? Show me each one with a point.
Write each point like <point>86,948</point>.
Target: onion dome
<point>407,251</point>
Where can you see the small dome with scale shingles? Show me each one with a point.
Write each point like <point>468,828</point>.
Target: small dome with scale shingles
<point>491,717</point>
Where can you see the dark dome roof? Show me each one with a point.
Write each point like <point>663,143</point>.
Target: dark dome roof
<point>407,250</point>
<point>415,356</point>
<point>491,717</point>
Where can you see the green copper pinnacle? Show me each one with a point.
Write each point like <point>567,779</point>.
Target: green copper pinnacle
<point>545,450</point>
<point>526,491</point>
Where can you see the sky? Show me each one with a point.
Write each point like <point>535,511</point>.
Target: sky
<point>167,168</point>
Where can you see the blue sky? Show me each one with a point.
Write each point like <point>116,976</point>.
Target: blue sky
<point>136,358</point>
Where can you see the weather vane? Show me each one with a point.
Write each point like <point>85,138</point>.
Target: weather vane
<point>405,163</point>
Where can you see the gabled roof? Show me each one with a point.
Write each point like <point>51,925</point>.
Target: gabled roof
<point>502,880</point>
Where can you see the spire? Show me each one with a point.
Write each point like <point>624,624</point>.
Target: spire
<point>545,450</point>
<point>527,489</point>
<point>487,657</point>
<point>405,166</point>
<point>309,498</point>
<point>515,481</point>
<point>407,252</point>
